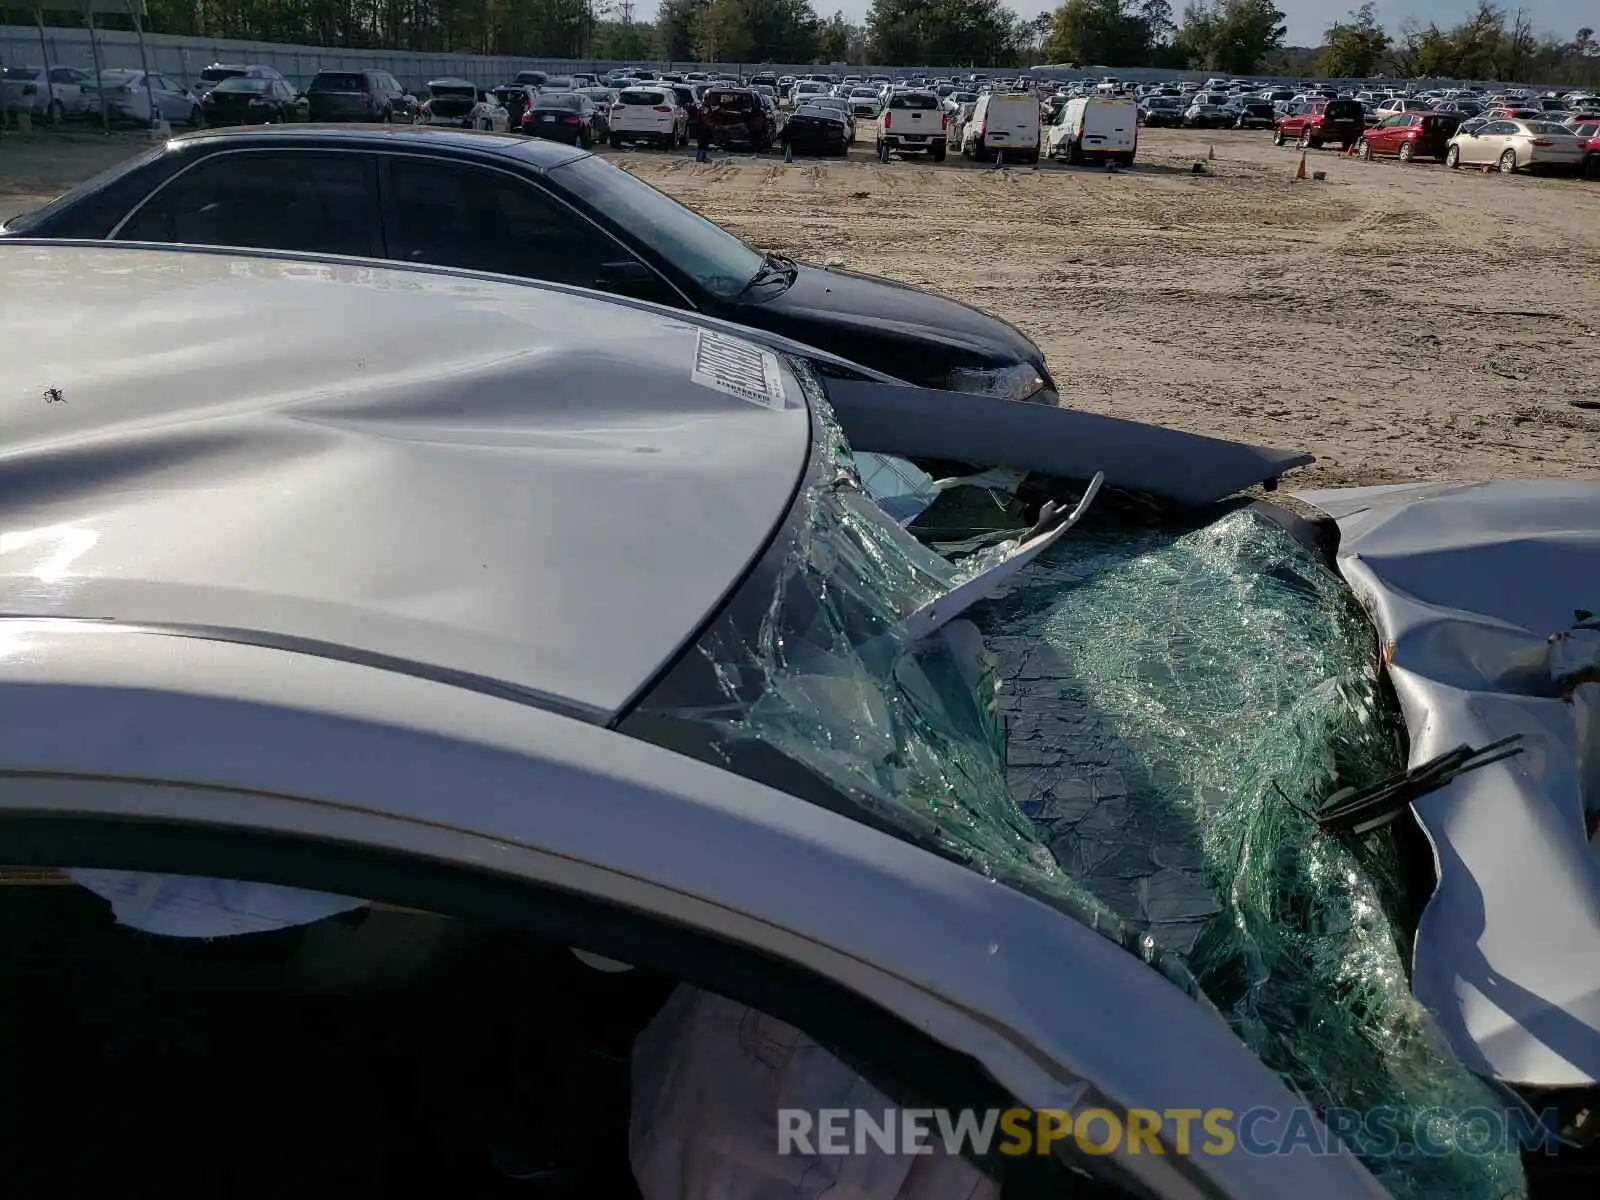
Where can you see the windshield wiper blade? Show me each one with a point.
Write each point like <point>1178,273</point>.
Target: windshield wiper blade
<point>1359,811</point>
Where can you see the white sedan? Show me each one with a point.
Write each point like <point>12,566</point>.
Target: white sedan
<point>1515,146</point>
<point>142,97</point>
<point>456,103</point>
<point>50,96</point>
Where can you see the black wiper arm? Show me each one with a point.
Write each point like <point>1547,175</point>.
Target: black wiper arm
<point>771,265</point>
<point>783,262</point>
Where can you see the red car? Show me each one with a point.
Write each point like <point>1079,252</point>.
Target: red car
<point>1589,131</point>
<point>1410,135</point>
<point>1314,123</point>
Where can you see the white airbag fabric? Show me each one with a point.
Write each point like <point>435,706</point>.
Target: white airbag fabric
<point>709,1077</point>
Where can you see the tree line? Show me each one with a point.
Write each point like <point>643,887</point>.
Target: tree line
<point>1487,44</point>
<point>1235,37</point>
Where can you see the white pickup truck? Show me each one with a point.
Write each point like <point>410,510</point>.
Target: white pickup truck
<point>914,122</point>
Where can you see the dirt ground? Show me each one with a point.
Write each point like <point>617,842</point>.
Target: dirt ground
<point>1397,322</point>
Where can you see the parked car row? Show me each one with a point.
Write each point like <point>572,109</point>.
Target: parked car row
<point>1499,139</point>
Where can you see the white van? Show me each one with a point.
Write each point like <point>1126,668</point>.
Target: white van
<point>1003,122</point>
<point>1095,129</point>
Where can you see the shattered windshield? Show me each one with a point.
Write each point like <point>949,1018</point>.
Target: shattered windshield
<point>1135,730</point>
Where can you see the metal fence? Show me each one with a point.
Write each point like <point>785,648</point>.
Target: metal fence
<point>183,58</point>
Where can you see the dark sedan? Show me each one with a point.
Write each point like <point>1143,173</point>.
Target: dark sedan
<point>526,206</point>
<point>1159,111</point>
<point>569,117</point>
<point>1254,114</point>
<point>812,129</point>
<point>243,100</point>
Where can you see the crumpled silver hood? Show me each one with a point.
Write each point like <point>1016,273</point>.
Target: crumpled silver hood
<point>1478,592</point>
<point>475,477</point>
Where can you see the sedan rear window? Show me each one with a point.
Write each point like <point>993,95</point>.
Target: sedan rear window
<point>338,81</point>
<point>731,101</point>
<point>277,201</point>
<point>914,100</point>
<point>240,83</point>
<point>562,100</point>
<point>216,74</point>
<point>631,96</point>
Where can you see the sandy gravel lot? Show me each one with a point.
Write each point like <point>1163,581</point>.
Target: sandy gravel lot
<point>1398,322</point>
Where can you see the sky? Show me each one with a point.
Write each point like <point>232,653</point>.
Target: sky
<point>1307,19</point>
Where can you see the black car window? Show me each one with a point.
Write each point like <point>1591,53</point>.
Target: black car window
<point>564,101</point>
<point>278,201</point>
<point>452,215</point>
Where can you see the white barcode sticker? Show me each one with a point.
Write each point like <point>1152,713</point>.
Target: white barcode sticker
<point>741,369</point>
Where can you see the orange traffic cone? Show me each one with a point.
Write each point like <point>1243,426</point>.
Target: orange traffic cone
<point>1300,171</point>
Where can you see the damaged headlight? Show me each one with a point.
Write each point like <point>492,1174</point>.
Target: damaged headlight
<point>1019,382</point>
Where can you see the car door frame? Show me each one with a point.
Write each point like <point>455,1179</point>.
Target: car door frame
<point>1387,139</point>
<point>344,758</point>
<point>898,1056</point>
<point>69,86</point>
<point>163,92</point>
<point>391,216</point>
<point>1493,145</point>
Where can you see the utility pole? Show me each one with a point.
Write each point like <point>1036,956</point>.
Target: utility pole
<point>626,8</point>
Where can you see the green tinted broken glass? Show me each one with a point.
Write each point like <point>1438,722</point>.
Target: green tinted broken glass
<point>1136,737</point>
